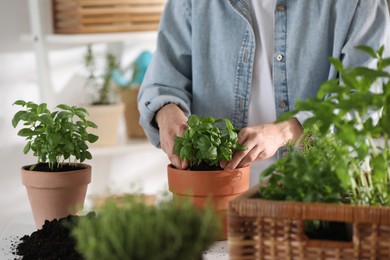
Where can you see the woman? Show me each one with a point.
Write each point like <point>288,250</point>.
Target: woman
<point>250,61</point>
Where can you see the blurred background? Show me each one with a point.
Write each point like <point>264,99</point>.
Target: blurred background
<point>38,65</point>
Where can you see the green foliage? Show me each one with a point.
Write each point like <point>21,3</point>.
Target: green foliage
<point>54,136</point>
<point>132,230</point>
<point>207,141</point>
<point>102,90</point>
<point>344,110</point>
<point>310,171</point>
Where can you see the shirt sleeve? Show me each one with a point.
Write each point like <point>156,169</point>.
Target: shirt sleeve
<point>169,76</point>
<point>370,26</point>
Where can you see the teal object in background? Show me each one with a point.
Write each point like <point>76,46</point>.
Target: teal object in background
<point>139,66</point>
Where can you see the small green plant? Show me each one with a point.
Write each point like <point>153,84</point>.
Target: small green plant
<point>54,136</point>
<point>309,172</point>
<point>172,229</point>
<point>352,115</point>
<point>207,141</point>
<point>101,93</point>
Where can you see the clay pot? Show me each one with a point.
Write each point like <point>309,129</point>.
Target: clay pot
<point>55,194</point>
<point>107,118</point>
<point>215,187</point>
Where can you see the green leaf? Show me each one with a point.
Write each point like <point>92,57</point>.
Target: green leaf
<point>367,49</point>
<point>80,114</point>
<point>193,120</point>
<point>386,62</point>
<point>27,147</point>
<point>46,119</point>
<point>20,103</point>
<point>204,143</point>
<point>42,108</point>
<point>337,64</point>
<point>17,117</point>
<point>92,138</point>
<point>64,107</point>
<point>25,132</point>
<point>88,155</point>
<point>63,115</point>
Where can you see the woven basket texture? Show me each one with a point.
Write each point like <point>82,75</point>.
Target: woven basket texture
<point>266,229</point>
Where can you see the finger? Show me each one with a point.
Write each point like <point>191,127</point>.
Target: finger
<point>223,164</point>
<point>176,162</point>
<point>244,158</point>
<point>184,164</point>
<point>237,157</point>
<point>251,156</point>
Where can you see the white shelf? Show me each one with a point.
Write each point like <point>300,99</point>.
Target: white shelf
<point>69,39</point>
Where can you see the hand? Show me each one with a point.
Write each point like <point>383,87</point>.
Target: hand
<point>172,122</point>
<point>263,141</point>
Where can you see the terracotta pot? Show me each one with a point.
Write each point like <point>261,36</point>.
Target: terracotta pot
<point>107,118</point>
<point>55,194</point>
<point>215,187</point>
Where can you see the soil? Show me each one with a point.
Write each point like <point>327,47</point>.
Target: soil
<point>52,242</point>
<point>44,167</point>
<point>205,167</point>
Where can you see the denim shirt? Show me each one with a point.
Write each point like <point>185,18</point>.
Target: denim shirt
<point>205,52</point>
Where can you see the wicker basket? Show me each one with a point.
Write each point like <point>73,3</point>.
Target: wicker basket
<point>98,16</point>
<point>129,98</point>
<point>265,229</point>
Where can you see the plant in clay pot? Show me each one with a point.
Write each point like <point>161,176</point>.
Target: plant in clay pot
<point>204,144</point>
<point>59,139</point>
<point>132,229</point>
<point>336,178</point>
<point>103,104</point>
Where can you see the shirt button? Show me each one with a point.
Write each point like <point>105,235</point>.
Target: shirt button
<point>282,104</point>
<point>279,57</point>
<point>281,8</point>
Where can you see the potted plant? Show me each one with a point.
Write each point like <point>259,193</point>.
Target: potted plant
<point>102,102</point>
<point>338,176</point>
<point>59,139</point>
<point>132,229</point>
<point>204,144</point>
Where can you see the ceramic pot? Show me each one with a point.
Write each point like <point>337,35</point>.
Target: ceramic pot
<point>55,194</point>
<point>215,187</point>
<point>107,118</point>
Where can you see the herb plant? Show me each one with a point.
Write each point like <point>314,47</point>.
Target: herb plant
<point>101,92</point>
<point>172,229</point>
<point>207,141</point>
<point>354,110</point>
<point>54,136</point>
<point>308,172</point>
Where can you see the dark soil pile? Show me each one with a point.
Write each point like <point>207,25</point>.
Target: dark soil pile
<point>51,242</point>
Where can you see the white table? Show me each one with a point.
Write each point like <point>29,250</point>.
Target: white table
<point>24,225</point>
